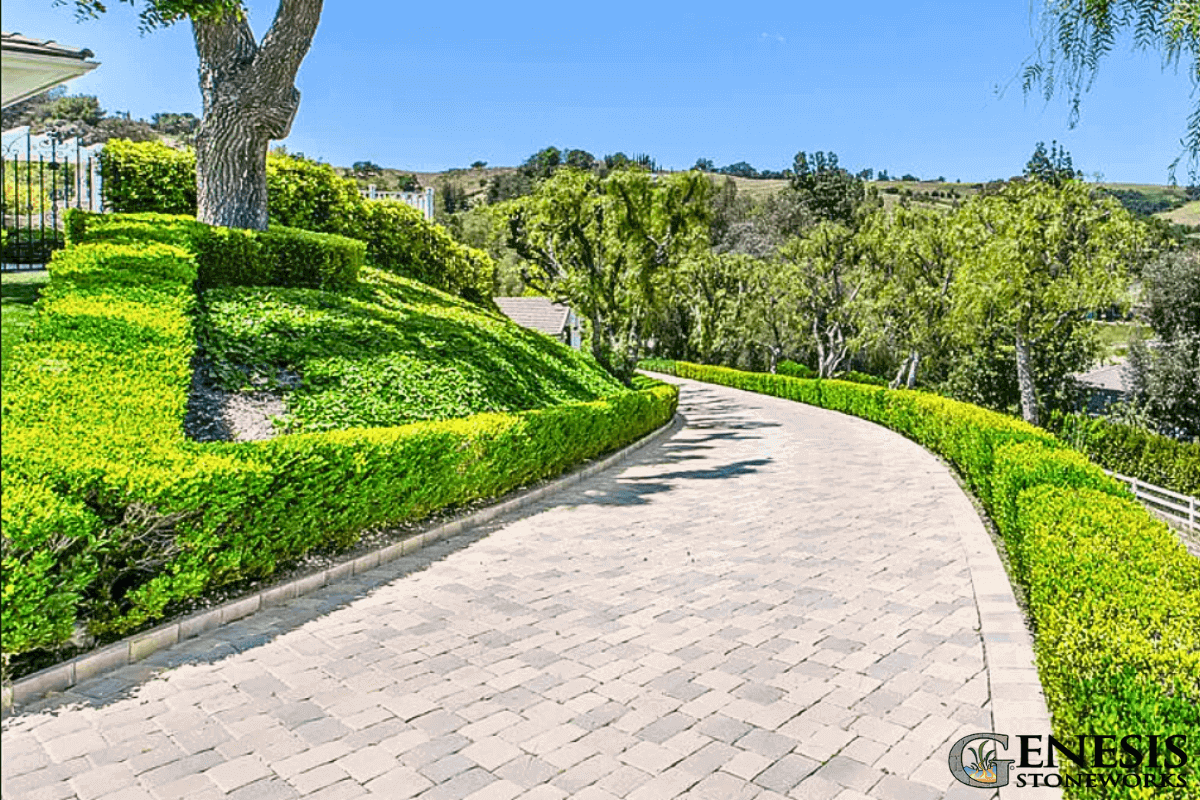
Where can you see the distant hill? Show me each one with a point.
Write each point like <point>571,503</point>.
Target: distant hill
<point>1167,202</point>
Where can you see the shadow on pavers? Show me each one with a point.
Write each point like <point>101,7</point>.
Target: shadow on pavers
<point>264,626</point>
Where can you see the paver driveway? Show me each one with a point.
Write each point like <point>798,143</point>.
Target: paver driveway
<point>773,601</point>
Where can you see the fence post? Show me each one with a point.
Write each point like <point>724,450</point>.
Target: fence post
<point>371,191</point>
<point>1191,512</point>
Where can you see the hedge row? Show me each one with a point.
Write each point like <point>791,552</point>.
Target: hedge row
<point>1114,596</point>
<point>1132,451</point>
<point>794,369</point>
<point>229,256</point>
<point>111,514</point>
<point>146,176</point>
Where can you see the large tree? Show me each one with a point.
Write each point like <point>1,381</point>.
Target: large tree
<point>249,94</point>
<point>911,264</point>
<point>1035,258</point>
<point>824,273</point>
<point>1076,35</point>
<point>600,244</point>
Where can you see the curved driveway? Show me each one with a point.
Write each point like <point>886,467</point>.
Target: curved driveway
<point>774,601</point>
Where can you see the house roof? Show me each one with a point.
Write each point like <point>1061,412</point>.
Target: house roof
<point>538,313</point>
<point>1110,377</point>
<point>31,66</point>
<point>15,42</point>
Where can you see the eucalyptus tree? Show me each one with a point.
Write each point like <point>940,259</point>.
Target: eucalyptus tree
<point>248,91</point>
<point>717,293</point>
<point>825,274</point>
<point>599,244</point>
<point>911,261</point>
<point>1036,258</point>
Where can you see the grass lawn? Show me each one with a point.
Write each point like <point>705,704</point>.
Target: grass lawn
<point>1188,214</point>
<point>18,291</point>
<point>1115,336</point>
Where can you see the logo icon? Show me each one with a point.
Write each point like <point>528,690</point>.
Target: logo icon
<point>985,771</point>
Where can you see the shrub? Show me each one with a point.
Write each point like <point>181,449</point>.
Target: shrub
<point>148,176</point>
<point>311,196</point>
<point>795,370</point>
<point>1133,451</point>
<point>231,256</point>
<point>1115,599</point>
<point>111,515</point>
<point>1112,592</point>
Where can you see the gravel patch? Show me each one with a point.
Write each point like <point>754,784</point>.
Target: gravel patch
<point>216,415</point>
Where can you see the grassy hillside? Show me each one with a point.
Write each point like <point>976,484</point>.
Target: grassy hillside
<point>941,195</point>
<point>388,352</point>
<point>1187,214</point>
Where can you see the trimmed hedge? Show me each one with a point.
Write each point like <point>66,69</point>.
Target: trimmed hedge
<point>1132,451</point>
<point>311,196</point>
<point>111,514</point>
<point>1114,596</point>
<point>148,176</point>
<point>229,256</point>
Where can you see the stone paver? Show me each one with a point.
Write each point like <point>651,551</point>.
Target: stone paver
<point>775,601</point>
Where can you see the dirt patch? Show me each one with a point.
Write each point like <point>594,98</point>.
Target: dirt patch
<point>217,415</point>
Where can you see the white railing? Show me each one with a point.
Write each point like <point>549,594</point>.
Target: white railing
<point>422,201</point>
<point>1179,508</point>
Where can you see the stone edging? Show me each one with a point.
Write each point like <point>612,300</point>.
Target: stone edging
<point>1018,704</point>
<point>132,649</point>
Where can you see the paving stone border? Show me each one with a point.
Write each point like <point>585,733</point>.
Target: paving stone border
<point>132,649</point>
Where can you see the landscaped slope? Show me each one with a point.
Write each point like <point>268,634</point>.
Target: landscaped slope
<point>388,352</point>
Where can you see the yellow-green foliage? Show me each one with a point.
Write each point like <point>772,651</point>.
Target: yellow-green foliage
<point>230,256</point>
<point>1114,596</point>
<point>305,194</point>
<point>148,176</point>
<point>111,514</point>
<point>387,352</point>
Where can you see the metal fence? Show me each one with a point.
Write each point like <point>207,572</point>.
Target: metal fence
<point>43,176</point>
<point>1181,509</point>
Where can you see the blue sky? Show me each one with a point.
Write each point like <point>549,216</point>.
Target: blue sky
<point>909,87</point>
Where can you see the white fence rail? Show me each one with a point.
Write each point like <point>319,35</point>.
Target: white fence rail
<point>422,201</point>
<point>1181,509</point>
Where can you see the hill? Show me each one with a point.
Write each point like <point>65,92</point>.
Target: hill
<point>1166,202</point>
<point>387,352</point>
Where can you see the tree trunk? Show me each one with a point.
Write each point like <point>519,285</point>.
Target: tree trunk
<point>249,99</point>
<point>895,382</point>
<point>1029,404</point>
<point>912,370</point>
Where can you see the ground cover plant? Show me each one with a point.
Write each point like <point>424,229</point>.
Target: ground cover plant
<point>113,518</point>
<point>18,291</point>
<point>387,352</point>
<point>1113,596</point>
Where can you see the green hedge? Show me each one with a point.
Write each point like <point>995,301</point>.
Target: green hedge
<point>311,196</point>
<point>1114,596</point>
<point>280,256</point>
<point>1132,451</point>
<point>111,514</point>
<point>794,369</point>
<point>148,176</point>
